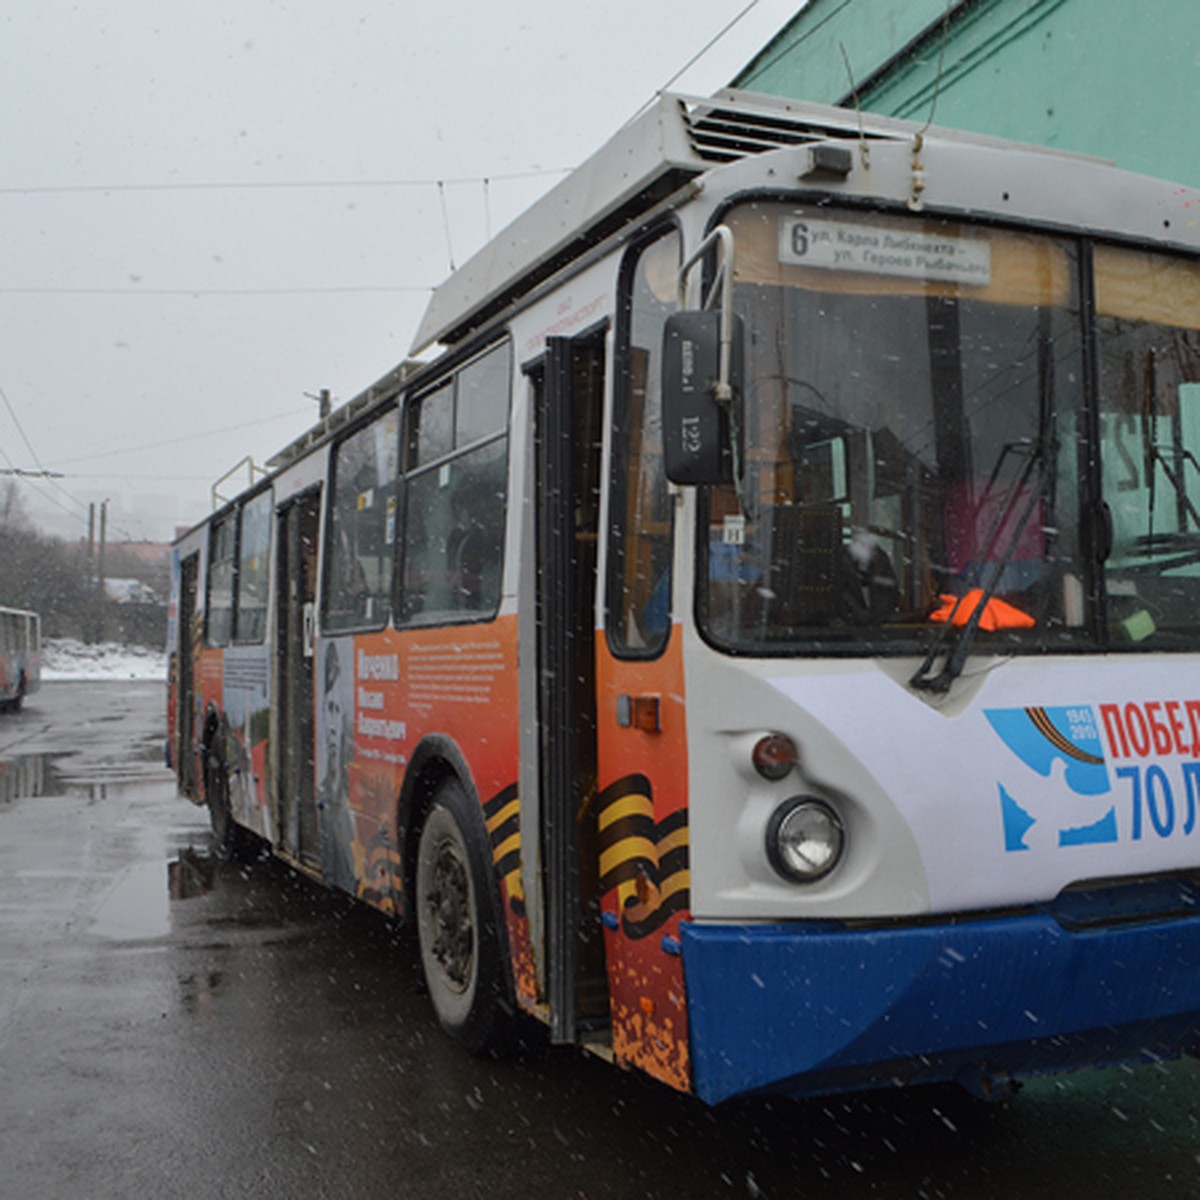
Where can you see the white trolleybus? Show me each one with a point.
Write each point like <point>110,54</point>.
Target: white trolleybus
<point>20,656</point>
<point>762,643</point>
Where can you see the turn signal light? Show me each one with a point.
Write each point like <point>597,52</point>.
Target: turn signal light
<point>774,756</point>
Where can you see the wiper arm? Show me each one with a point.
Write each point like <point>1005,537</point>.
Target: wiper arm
<point>923,678</point>
<point>1176,479</point>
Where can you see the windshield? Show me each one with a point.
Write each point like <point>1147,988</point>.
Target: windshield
<point>912,436</point>
<point>1148,317</point>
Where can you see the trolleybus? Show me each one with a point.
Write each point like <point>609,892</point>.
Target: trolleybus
<point>20,656</point>
<point>760,643</point>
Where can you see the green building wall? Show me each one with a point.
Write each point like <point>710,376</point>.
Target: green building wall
<point>1111,78</point>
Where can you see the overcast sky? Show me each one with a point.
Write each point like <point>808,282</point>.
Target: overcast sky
<point>210,209</point>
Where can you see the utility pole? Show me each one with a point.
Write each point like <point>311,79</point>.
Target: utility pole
<point>99,606</point>
<point>103,527</point>
<point>89,619</point>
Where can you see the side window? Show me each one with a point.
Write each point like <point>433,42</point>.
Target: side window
<point>221,561</point>
<point>641,515</point>
<point>362,526</point>
<point>456,482</point>
<point>254,553</point>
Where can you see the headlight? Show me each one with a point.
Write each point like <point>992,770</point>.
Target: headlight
<point>805,839</point>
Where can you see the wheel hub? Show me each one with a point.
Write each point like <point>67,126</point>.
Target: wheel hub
<point>448,903</point>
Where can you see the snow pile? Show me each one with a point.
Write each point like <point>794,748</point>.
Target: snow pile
<point>65,658</point>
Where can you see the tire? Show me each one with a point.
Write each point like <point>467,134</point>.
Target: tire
<point>13,703</point>
<point>457,926</point>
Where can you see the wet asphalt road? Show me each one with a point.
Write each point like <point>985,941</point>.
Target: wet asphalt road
<point>170,1026</point>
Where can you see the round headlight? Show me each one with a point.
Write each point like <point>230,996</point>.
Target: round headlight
<point>805,839</point>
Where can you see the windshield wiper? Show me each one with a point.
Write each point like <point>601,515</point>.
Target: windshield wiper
<point>924,678</point>
<point>1176,478</point>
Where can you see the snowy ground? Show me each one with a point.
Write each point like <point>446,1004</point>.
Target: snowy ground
<point>65,658</point>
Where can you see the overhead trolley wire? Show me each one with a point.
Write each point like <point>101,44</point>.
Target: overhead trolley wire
<point>691,62</point>
<point>19,290</point>
<point>42,472</point>
<point>276,185</point>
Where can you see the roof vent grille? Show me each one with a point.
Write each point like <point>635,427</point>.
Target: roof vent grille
<point>723,135</point>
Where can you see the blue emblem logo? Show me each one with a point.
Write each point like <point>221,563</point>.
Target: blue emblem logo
<point>1042,738</point>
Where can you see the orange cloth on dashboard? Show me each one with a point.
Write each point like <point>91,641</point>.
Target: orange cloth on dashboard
<point>996,613</point>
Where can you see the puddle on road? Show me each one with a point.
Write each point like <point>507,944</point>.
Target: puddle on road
<point>191,874</point>
<point>62,773</point>
<point>138,906</point>
<point>28,775</point>
<point>90,787</point>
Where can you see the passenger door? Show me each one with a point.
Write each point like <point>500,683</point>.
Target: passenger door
<point>186,651</point>
<point>568,397</point>
<point>296,592</point>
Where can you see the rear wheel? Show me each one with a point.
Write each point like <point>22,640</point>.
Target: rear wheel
<point>13,703</point>
<point>456,923</point>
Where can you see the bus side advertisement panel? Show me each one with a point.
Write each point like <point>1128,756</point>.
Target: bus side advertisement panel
<point>173,664</point>
<point>642,818</point>
<point>171,749</point>
<point>247,710</point>
<point>380,696</point>
<point>210,683</point>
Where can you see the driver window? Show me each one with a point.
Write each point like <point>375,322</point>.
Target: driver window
<point>639,573</point>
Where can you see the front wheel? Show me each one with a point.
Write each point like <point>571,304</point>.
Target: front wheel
<point>457,929</point>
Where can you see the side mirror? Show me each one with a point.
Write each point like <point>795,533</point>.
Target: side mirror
<point>699,426</point>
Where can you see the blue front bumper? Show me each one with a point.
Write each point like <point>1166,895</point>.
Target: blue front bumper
<point>808,1009</point>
